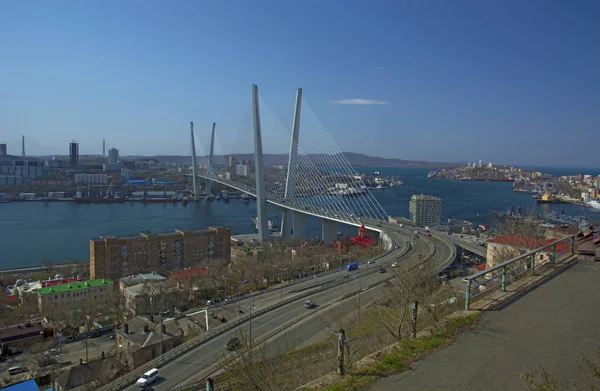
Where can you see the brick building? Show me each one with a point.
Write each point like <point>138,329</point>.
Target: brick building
<point>115,257</point>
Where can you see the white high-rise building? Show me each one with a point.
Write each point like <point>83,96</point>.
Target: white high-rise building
<point>242,170</point>
<point>480,164</point>
<point>425,210</point>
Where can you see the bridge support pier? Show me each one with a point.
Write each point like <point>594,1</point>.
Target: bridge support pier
<point>261,191</point>
<point>290,182</point>
<point>208,187</point>
<point>329,230</point>
<point>194,163</point>
<point>299,224</point>
<point>287,224</point>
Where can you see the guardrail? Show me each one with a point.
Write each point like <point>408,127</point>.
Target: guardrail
<point>132,376</point>
<point>198,384</point>
<point>300,280</point>
<point>499,276</point>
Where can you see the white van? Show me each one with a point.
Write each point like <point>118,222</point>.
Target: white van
<point>147,378</point>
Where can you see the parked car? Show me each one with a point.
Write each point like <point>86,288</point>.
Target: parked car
<point>394,264</point>
<point>16,370</point>
<point>382,270</point>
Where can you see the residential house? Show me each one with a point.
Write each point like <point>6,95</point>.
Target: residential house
<point>136,279</point>
<point>89,375</point>
<point>141,340</point>
<point>505,247</point>
<point>147,298</point>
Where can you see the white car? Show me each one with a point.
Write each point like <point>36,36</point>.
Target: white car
<point>147,378</point>
<point>394,264</point>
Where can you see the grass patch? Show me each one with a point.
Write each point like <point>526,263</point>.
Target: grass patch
<point>400,359</point>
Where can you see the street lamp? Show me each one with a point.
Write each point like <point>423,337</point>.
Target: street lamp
<point>281,289</point>
<point>225,288</point>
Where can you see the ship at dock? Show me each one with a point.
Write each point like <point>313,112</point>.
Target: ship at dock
<point>546,198</point>
<point>154,197</point>
<point>245,198</point>
<point>108,197</point>
<point>593,204</point>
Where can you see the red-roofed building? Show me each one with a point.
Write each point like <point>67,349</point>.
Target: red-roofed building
<point>505,247</point>
<point>186,274</point>
<point>362,237</point>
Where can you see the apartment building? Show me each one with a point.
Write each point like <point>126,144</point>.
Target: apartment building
<point>97,293</point>
<point>116,257</point>
<point>425,210</point>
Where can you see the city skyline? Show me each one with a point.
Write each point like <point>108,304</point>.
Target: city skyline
<point>513,83</point>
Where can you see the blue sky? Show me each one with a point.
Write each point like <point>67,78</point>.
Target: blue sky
<point>503,81</point>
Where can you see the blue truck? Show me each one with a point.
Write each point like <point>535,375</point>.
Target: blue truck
<point>352,266</point>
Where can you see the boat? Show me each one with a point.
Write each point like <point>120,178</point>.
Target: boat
<point>245,198</point>
<point>225,196</point>
<point>184,200</point>
<point>108,198</point>
<point>593,203</point>
<point>210,197</point>
<point>548,199</point>
<point>218,197</point>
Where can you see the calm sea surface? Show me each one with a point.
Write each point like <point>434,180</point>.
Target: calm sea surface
<point>33,231</point>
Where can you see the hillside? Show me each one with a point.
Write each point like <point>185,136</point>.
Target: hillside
<point>356,159</point>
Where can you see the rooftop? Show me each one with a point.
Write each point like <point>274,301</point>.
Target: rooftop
<point>424,197</point>
<point>135,279</point>
<point>142,339</point>
<point>526,242</point>
<point>187,273</point>
<point>29,385</point>
<point>152,289</point>
<point>75,286</point>
<point>17,331</point>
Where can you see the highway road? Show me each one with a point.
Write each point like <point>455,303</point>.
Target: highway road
<point>469,246</point>
<point>201,360</point>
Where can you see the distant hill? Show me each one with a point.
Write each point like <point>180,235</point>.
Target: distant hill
<point>356,159</point>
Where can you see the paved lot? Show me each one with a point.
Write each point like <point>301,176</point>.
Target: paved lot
<point>555,326</point>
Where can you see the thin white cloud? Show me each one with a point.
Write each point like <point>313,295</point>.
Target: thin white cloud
<point>358,101</point>
<point>380,68</point>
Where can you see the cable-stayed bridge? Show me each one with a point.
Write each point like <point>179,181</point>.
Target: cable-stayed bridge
<point>319,183</point>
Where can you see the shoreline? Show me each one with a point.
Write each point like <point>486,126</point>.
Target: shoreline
<point>41,268</point>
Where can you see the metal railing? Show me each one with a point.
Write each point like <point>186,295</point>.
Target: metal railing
<point>501,275</point>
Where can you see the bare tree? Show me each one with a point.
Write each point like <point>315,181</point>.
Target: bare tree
<point>418,284</point>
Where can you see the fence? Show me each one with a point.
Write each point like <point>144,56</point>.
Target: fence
<point>499,276</point>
